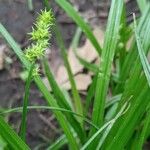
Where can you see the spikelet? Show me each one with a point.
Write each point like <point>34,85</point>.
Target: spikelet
<point>40,36</point>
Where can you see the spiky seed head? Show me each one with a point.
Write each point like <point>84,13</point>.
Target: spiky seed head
<point>40,35</point>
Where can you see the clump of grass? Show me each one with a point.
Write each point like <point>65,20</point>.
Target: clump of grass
<point>120,121</point>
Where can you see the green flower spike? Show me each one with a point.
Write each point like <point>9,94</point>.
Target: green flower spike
<point>40,36</point>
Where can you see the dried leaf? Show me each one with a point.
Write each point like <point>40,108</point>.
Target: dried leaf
<point>87,52</point>
<point>74,63</point>
<point>82,82</point>
<point>61,75</point>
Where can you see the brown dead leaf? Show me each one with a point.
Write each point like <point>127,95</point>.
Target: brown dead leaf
<point>82,82</point>
<point>74,62</point>
<point>61,75</point>
<point>88,53</point>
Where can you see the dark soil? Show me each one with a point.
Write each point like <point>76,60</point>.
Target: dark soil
<point>16,17</point>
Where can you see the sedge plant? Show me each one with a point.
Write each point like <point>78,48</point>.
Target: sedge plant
<point>119,120</point>
<point>40,36</point>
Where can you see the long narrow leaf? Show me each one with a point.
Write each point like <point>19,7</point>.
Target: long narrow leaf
<point>142,136</point>
<point>146,69</point>
<point>14,141</point>
<point>19,109</point>
<point>144,61</point>
<point>127,123</point>
<point>108,52</point>
<point>25,104</point>
<point>108,126</point>
<point>75,93</point>
<point>55,88</point>
<point>142,5</point>
<point>59,143</point>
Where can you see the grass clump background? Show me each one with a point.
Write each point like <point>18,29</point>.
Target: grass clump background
<point>120,121</point>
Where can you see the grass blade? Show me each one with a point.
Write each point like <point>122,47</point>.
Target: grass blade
<point>144,61</point>
<point>95,135</point>
<point>14,141</point>
<point>59,143</point>
<point>30,5</point>
<point>108,52</point>
<point>146,69</point>
<point>75,93</point>
<point>128,123</point>
<point>143,134</point>
<point>124,127</point>
<point>3,144</point>
<point>113,100</point>
<point>108,126</point>
<point>25,104</point>
<point>90,95</point>
<point>55,87</point>
<point>142,5</point>
<point>76,38</point>
<point>19,109</point>
<point>106,132</point>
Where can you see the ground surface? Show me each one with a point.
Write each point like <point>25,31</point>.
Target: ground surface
<point>15,16</point>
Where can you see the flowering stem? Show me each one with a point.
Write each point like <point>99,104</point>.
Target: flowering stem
<point>25,104</point>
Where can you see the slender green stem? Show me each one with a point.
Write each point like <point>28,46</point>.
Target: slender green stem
<point>25,104</point>
<point>55,87</point>
<point>19,109</point>
<point>46,4</point>
<point>30,5</point>
<point>76,96</point>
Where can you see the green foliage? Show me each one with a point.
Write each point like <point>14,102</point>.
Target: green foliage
<point>3,143</point>
<point>25,104</point>
<point>10,137</point>
<point>110,45</point>
<point>115,112</point>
